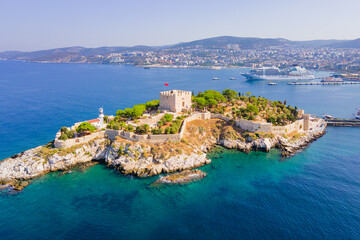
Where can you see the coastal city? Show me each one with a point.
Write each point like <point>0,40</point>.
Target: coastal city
<point>212,53</point>
<point>331,59</point>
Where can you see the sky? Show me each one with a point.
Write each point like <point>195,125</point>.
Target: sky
<point>29,25</point>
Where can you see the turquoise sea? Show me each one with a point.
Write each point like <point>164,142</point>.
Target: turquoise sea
<point>312,195</point>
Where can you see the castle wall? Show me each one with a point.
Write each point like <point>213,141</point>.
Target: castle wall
<point>75,141</point>
<point>265,127</point>
<point>299,125</point>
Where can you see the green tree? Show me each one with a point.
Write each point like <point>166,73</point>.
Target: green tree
<point>248,94</point>
<point>212,102</point>
<point>138,111</point>
<point>152,105</point>
<point>85,126</point>
<point>200,101</point>
<point>229,94</point>
<point>120,113</point>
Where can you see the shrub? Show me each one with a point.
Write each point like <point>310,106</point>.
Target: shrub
<point>142,129</point>
<point>201,129</point>
<point>167,130</point>
<point>70,134</point>
<point>129,128</point>
<point>166,118</point>
<point>63,137</point>
<point>253,109</point>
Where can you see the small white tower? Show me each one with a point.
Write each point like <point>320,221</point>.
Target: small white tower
<point>101,117</point>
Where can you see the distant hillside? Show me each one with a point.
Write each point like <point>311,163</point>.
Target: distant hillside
<point>243,42</point>
<point>317,43</point>
<point>72,52</point>
<point>346,44</point>
<point>82,54</point>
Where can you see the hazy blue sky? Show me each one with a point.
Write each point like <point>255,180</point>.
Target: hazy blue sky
<point>42,24</point>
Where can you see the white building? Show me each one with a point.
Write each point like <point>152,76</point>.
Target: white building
<point>97,122</point>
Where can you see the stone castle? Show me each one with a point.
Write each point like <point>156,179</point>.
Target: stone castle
<point>178,101</point>
<point>175,100</point>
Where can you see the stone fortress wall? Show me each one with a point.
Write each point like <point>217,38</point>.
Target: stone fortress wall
<point>175,100</point>
<point>301,125</point>
<point>146,138</point>
<point>79,140</point>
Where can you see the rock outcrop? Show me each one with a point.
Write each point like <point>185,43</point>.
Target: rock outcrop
<point>40,160</point>
<point>287,147</point>
<point>136,159</point>
<point>261,144</point>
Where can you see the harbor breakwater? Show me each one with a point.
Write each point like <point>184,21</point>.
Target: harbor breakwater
<point>343,122</point>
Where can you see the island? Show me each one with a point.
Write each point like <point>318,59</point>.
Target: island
<point>171,134</point>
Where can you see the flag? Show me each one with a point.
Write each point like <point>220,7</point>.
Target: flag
<point>166,84</point>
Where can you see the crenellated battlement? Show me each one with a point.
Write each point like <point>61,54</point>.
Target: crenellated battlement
<point>175,93</point>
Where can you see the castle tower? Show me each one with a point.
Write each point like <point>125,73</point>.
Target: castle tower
<point>175,100</point>
<point>306,122</point>
<point>101,117</point>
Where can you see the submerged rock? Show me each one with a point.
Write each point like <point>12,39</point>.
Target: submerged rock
<point>183,177</point>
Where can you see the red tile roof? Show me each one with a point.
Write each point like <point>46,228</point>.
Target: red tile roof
<point>93,120</point>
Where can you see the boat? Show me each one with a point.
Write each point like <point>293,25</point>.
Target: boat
<point>146,67</point>
<point>274,73</point>
<point>332,79</point>
<point>232,78</point>
<point>328,117</point>
<point>272,83</point>
<point>215,78</point>
<point>357,115</point>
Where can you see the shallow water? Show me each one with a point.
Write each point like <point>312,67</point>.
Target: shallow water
<point>312,195</point>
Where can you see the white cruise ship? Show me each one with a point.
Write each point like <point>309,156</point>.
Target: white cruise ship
<point>274,73</point>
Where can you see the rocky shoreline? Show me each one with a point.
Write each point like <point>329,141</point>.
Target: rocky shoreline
<point>288,148</point>
<point>139,159</point>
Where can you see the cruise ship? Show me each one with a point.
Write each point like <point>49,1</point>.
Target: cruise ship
<point>274,73</point>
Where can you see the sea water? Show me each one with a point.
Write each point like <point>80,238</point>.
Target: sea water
<point>312,195</point>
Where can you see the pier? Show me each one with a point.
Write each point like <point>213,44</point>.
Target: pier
<point>321,83</point>
<point>343,122</point>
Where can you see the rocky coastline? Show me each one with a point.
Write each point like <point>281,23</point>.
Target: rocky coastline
<point>144,160</point>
